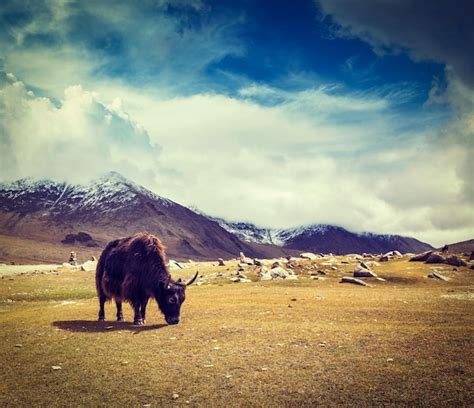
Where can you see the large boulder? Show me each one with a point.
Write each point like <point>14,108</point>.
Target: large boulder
<point>435,258</point>
<point>245,260</point>
<point>361,271</point>
<point>455,261</point>
<point>89,266</point>
<point>421,257</point>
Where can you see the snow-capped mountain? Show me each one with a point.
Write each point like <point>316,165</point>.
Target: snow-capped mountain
<point>322,238</point>
<point>110,207</point>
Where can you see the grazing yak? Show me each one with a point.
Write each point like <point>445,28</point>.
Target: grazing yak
<point>133,270</point>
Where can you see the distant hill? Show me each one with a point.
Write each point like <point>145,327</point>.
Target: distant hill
<point>461,247</point>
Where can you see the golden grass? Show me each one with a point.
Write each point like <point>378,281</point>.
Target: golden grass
<point>406,341</point>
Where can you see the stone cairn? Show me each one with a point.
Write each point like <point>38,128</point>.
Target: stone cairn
<point>73,259</point>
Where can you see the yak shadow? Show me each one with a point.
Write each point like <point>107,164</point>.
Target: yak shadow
<point>94,326</point>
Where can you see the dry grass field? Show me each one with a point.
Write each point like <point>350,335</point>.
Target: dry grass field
<point>404,342</point>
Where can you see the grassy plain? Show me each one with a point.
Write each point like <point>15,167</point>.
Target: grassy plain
<point>404,342</point>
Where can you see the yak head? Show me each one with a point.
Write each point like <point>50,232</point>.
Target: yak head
<point>171,296</point>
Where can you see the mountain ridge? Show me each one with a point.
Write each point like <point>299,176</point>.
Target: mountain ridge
<point>113,206</point>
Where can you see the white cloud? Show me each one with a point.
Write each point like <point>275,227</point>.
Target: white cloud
<point>80,139</point>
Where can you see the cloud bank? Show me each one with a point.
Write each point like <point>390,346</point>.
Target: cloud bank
<point>79,139</point>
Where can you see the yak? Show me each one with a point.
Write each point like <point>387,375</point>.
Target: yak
<point>133,269</point>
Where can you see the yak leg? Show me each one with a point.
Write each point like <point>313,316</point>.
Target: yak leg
<point>102,300</point>
<point>143,309</point>
<point>137,319</point>
<point>119,310</point>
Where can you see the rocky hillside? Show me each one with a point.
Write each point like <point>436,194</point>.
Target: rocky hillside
<point>110,207</point>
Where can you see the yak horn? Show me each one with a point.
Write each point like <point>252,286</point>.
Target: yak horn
<point>192,279</point>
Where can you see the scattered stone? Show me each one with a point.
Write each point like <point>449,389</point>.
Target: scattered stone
<point>435,258</point>
<point>236,279</point>
<point>276,273</point>
<point>175,396</point>
<point>437,275</point>
<point>309,255</point>
<point>221,262</point>
<point>393,254</point>
<point>257,262</point>
<point>389,360</point>
<point>361,272</point>
<point>421,257</point>
<point>275,265</point>
<point>245,260</point>
<point>333,268</point>
<point>55,368</point>
<point>355,256</point>
<point>89,266</point>
<point>19,345</point>
<point>228,376</point>
<point>455,261</point>
<point>384,258</point>
<point>349,279</point>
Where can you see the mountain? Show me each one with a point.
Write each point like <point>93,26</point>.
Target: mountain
<point>90,215</point>
<point>323,238</point>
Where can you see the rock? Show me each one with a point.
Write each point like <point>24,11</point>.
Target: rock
<point>384,258</point>
<point>309,255</point>
<point>89,266</point>
<point>393,254</point>
<point>19,345</point>
<point>175,396</point>
<point>437,275</point>
<point>55,368</point>
<point>349,279</point>
<point>471,257</point>
<point>372,264</point>
<point>421,257</point>
<point>257,262</point>
<point>455,261</point>
<point>236,279</point>
<point>245,260</point>
<point>361,272</point>
<point>221,262</point>
<point>355,256</point>
<point>363,265</point>
<point>276,273</point>
<point>435,258</point>
<point>174,265</point>
<point>275,264</point>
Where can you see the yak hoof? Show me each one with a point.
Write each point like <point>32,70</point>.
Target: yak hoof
<point>138,322</point>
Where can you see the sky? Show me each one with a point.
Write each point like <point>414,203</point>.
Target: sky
<point>357,114</point>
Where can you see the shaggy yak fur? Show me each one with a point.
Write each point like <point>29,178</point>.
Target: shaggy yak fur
<point>133,270</point>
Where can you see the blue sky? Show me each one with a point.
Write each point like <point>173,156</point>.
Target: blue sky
<point>301,112</point>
